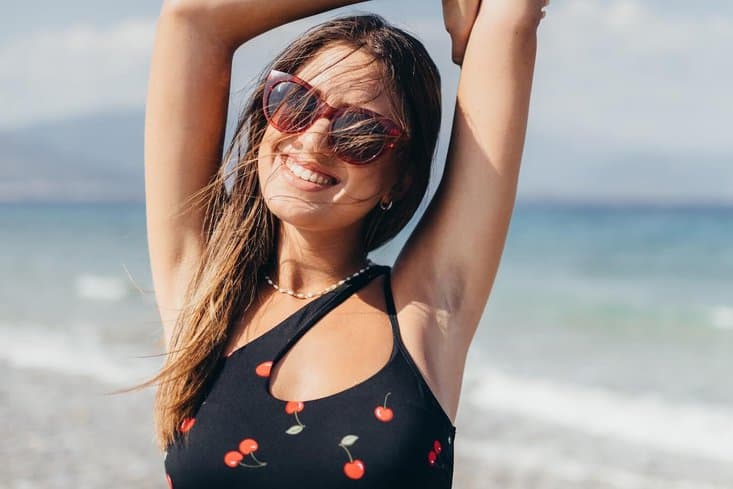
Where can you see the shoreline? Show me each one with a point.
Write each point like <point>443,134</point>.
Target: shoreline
<point>62,431</point>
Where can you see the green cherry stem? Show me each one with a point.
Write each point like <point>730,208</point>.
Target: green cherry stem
<point>298,419</point>
<point>261,463</point>
<point>347,452</point>
<point>385,399</point>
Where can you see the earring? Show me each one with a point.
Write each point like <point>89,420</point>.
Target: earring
<point>383,207</point>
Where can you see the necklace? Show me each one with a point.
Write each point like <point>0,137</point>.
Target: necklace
<point>327,289</point>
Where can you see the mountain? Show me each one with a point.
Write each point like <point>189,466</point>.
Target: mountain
<point>575,170</point>
<point>97,157</point>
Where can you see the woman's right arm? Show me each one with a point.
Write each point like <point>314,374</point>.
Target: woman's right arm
<point>185,121</point>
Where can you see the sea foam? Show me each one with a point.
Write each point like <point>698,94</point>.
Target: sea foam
<point>101,287</point>
<point>548,466</point>
<point>722,317</point>
<point>688,428</point>
<point>76,350</point>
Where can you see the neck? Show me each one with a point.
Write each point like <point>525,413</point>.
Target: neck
<point>308,261</point>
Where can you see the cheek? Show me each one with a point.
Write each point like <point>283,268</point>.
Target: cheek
<point>268,143</point>
<point>366,183</point>
<point>267,152</point>
<point>381,176</point>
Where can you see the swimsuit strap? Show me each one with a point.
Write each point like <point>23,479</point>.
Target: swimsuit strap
<point>301,321</point>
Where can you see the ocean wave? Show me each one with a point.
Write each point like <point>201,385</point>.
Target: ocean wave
<point>73,350</point>
<point>550,467</point>
<point>101,287</point>
<point>688,428</point>
<point>722,317</point>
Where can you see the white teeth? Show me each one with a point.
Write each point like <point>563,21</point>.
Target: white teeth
<point>308,175</point>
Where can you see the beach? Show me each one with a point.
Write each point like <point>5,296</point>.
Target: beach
<point>599,363</point>
<point>62,431</point>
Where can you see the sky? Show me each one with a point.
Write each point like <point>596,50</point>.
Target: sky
<point>630,98</point>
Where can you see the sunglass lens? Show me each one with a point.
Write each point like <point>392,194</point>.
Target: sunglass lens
<point>357,137</point>
<point>290,106</point>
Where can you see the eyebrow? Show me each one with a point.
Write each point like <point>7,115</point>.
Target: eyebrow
<point>323,97</point>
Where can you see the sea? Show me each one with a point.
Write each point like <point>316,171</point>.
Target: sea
<point>604,357</point>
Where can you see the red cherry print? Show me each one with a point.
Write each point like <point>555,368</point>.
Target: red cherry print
<point>170,482</point>
<point>247,446</point>
<point>354,469</point>
<point>263,369</point>
<point>383,414</point>
<point>187,424</point>
<point>436,447</point>
<point>293,407</point>
<point>233,458</point>
<point>432,456</point>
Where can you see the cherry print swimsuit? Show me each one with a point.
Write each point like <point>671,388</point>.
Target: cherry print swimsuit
<point>386,432</point>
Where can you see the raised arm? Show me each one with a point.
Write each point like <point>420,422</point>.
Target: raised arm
<point>185,120</point>
<point>453,255</point>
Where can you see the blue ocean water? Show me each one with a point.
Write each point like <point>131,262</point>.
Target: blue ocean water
<point>613,320</point>
<point>639,299</point>
<point>647,276</point>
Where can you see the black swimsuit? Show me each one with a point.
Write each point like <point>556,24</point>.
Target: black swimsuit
<point>388,431</point>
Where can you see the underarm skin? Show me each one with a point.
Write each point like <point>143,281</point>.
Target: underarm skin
<point>476,195</point>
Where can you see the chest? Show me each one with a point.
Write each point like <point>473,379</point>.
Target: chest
<point>354,341</point>
<point>382,432</point>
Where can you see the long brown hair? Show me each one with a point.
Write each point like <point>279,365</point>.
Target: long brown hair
<point>240,231</point>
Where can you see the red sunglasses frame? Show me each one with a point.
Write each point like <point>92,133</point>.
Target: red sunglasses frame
<point>392,130</point>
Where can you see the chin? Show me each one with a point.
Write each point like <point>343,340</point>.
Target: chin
<point>301,214</point>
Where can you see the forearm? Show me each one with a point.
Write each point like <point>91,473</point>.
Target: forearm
<point>495,85</point>
<point>233,22</point>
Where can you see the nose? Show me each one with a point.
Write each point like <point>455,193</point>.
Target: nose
<point>315,138</point>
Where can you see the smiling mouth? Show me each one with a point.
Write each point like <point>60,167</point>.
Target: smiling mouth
<point>309,175</point>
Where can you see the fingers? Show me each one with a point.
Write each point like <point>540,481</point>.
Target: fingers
<point>543,12</point>
<point>458,45</point>
<point>459,17</point>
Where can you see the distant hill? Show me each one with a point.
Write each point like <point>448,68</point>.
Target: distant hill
<point>99,157</point>
<point>90,158</point>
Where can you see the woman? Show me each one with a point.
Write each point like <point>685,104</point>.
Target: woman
<point>293,359</point>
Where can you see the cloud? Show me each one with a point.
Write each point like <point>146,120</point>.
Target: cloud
<point>619,74</point>
<point>611,74</point>
<point>88,67</point>
<point>81,68</point>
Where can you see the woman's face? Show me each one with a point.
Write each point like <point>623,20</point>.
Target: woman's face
<point>341,79</point>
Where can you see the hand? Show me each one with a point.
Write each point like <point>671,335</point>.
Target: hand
<point>459,16</point>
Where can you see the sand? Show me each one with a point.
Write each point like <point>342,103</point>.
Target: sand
<point>62,431</point>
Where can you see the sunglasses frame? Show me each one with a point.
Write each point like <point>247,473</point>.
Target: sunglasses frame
<point>392,130</point>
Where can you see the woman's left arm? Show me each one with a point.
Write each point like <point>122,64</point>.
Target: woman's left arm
<point>456,248</point>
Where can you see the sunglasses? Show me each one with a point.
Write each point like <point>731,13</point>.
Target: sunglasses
<point>356,135</point>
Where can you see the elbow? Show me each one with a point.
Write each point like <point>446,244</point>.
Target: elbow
<point>176,8</point>
<point>187,9</point>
